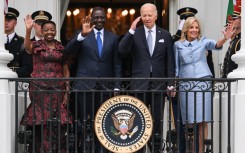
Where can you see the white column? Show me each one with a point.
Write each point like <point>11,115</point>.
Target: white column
<point>5,56</point>
<point>5,96</point>
<point>239,57</point>
<point>239,92</point>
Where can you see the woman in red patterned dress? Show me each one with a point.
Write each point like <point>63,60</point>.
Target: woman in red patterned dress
<point>47,112</point>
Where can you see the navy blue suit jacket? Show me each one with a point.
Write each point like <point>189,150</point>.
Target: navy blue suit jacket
<point>162,60</point>
<point>89,62</point>
<point>22,59</point>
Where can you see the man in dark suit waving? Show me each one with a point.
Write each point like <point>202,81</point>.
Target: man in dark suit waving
<point>97,54</point>
<point>152,53</point>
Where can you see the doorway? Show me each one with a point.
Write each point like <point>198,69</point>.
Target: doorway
<point>120,14</point>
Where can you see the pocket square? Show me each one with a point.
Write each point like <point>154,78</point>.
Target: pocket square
<point>161,41</point>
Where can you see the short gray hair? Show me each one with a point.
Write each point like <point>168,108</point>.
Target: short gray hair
<point>149,5</point>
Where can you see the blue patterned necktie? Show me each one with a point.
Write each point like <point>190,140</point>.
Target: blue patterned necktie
<point>99,43</point>
<point>149,41</point>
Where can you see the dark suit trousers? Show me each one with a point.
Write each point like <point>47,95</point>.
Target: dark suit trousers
<point>156,103</point>
<point>178,125</point>
<point>89,103</point>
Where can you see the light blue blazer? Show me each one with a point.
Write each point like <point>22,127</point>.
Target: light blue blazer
<point>190,58</point>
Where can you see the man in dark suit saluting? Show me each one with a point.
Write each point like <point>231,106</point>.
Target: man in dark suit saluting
<point>97,54</point>
<point>152,53</point>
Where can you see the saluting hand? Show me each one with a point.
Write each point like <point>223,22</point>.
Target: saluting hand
<point>134,24</point>
<point>86,26</point>
<point>29,22</point>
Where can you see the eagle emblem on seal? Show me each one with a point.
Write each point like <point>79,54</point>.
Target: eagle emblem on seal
<point>123,122</point>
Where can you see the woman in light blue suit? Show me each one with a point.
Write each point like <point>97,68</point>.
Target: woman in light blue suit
<point>191,62</point>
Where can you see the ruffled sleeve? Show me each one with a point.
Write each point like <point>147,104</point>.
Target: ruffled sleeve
<point>67,59</point>
<point>38,46</point>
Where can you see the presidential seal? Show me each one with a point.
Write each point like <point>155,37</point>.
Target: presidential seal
<point>123,124</point>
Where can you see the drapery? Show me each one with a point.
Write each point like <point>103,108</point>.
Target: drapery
<point>63,7</point>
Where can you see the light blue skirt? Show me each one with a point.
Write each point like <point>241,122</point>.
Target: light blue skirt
<point>195,94</point>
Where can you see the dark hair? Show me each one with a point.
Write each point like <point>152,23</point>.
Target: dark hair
<point>97,9</point>
<point>46,22</point>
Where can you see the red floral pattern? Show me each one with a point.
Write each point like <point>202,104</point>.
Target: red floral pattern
<point>46,104</point>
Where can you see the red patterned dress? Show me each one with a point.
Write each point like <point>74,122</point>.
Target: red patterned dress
<point>47,106</point>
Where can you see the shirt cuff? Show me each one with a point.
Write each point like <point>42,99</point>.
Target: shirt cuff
<point>182,22</point>
<point>116,89</point>
<point>131,31</point>
<point>80,37</point>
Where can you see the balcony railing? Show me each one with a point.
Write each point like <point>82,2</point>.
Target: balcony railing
<point>51,125</point>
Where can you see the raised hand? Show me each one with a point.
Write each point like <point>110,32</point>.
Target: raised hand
<point>86,26</point>
<point>134,24</point>
<point>29,22</point>
<point>228,32</point>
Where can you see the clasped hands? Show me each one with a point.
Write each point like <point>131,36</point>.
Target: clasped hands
<point>171,91</point>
